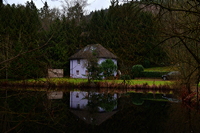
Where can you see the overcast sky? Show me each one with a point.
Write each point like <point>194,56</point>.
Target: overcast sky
<point>93,4</point>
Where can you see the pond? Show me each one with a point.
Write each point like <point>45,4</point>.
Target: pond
<point>95,111</point>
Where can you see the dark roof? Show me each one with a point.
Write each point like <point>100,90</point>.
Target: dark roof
<point>100,52</point>
<point>95,118</point>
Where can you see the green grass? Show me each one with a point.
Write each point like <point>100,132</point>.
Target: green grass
<point>141,82</point>
<point>59,80</point>
<point>159,69</point>
<point>131,82</point>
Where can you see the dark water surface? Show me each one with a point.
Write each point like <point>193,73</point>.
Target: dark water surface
<point>95,111</point>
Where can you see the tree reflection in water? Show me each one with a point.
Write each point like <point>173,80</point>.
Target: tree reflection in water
<point>93,107</point>
<point>54,112</point>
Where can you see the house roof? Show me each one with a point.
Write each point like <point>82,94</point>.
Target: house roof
<point>95,118</point>
<point>100,52</point>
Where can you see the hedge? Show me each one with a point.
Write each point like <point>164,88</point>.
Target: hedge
<point>125,77</point>
<point>152,74</point>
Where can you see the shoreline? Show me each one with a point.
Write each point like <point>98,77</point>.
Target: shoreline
<point>99,84</point>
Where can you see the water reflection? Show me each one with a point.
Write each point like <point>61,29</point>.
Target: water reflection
<point>93,107</point>
<point>55,95</point>
<point>95,111</point>
<point>93,101</point>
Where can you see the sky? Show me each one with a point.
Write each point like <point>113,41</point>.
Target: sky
<point>93,4</point>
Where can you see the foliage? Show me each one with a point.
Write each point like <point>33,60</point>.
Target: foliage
<point>105,101</point>
<point>160,69</point>
<point>19,37</point>
<point>124,30</point>
<point>127,32</point>
<point>75,13</point>
<point>108,68</point>
<point>137,70</point>
<point>152,74</point>
<point>180,36</point>
<point>125,77</point>
<point>93,67</point>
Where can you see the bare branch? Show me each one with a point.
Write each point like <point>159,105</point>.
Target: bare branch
<point>20,54</point>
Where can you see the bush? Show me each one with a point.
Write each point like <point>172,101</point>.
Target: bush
<point>125,77</point>
<point>108,67</point>
<point>152,74</point>
<point>137,70</point>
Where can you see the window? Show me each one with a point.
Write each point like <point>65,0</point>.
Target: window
<point>77,95</point>
<point>86,72</point>
<point>77,72</point>
<point>86,94</point>
<point>78,61</point>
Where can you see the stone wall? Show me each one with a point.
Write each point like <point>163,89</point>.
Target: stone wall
<point>55,73</point>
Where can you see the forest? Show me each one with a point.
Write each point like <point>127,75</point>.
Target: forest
<point>33,40</point>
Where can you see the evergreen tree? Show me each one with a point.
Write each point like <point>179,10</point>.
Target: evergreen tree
<point>129,33</point>
<point>20,36</point>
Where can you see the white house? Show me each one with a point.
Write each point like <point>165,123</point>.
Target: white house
<point>78,61</point>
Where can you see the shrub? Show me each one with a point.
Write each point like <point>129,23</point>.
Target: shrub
<point>108,67</point>
<point>137,70</point>
<point>125,77</point>
<point>152,74</point>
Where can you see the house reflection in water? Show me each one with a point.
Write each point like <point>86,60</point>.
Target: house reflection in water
<point>92,107</point>
<point>78,99</point>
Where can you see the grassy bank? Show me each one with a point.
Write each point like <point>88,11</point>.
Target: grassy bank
<point>83,83</point>
<point>159,69</point>
<point>77,81</point>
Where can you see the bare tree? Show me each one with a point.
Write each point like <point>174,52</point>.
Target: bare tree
<point>74,8</point>
<point>180,34</point>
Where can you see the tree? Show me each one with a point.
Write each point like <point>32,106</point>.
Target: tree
<point>108,68</point>
<point>180,34</point>
<point>74,9</point>
<point>45,16</point>
<point>128,32</point>
<point>93,67</point>
<point>106,101</point>
<point>64,43</point>
<point>21,55</point>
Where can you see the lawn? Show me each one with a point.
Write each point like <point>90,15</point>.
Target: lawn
<point>131,82</point>
<point>142,81</point>
<point>160,69</point>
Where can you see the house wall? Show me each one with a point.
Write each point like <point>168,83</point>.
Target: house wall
<point>74,67</point>
<point>81,68</point>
